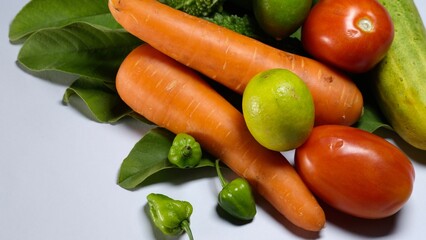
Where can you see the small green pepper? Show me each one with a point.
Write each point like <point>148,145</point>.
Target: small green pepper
<point>169,215</point>
<point>236,197</point>
<point>185,151</point>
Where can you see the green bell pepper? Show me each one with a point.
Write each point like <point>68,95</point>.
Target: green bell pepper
<point>185,151</point>
<point>169,215</point>
<point>236,197</point>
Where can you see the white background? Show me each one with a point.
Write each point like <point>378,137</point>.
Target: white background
<point>58,174</point>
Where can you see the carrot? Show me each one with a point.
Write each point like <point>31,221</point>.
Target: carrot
<point>175,97</point>
<point>233,59</point>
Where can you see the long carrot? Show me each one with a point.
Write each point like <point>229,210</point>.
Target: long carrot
<point>233,59</point>
<point>175,97</point>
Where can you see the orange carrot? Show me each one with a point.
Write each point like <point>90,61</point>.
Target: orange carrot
<point>233,59</point>
<point>175,97</point>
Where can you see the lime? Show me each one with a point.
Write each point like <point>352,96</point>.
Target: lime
<point>278,109</point>
<point>281,18</point>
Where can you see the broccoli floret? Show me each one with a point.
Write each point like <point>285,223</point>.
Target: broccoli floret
<point>242,24</point>
<point>216,11</point>
<point>199,8</point>
<point>246,24</point>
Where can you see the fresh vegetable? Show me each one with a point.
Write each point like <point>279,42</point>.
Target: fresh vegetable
<point>185,151</point>
<point>281,18</point>
<point>398,81</point>
<point>149,156</point>
<point>86,46</point>
<point>236,197</point>
<point>57,14</point>
<point>103,102</point>
<point>78,48</point>
<point>169,215</point>
<point>242,24</point>
<point>173,96</point>
<point>278,109</point>
<point>215,11</point>
<point>233,59</point>
<point>355,171</point>
<point>198,8</point>
<point>361,35</point>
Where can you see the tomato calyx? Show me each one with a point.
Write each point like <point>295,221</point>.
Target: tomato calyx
<point>365,25</point>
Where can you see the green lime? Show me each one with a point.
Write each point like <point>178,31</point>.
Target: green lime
<point>281,18</point>
<point>278,109</point>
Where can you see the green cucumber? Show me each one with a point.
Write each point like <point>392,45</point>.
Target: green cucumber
<point>399,81</point>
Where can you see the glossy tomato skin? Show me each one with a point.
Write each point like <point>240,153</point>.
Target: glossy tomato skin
<point>353,35</point>
<point>355,171</point>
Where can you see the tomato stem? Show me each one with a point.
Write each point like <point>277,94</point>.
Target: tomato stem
<point>365,25</point>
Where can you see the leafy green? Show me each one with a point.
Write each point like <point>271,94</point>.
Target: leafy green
<point>198,8</point>
<point>243,24</point>
<point>372,120</point>
<point>80,48</point>
<point>42,14</point>
<point>148,157</point>
<point>76,40</point>
<point>103,103</point>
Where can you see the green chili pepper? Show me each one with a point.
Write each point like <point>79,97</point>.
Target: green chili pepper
<point>169,215</point>
<point>236,197</point>
<point>185,151</point>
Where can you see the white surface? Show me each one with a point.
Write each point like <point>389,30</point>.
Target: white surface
<point>58,175</point>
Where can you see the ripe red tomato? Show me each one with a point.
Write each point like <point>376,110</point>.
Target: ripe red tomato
<point>353,35</point>
<point>355,171</point>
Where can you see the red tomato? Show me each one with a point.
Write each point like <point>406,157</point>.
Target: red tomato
<point>353,35</point>
<point>355,171</point>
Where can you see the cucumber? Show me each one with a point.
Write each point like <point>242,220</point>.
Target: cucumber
<point>399,80</point>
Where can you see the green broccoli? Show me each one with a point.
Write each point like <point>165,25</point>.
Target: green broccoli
<point>216,11</point>
<point>198,8</point>
<point>243,24</point>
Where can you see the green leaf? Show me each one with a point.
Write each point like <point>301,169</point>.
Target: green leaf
<point>148,157</point>
<point>371,120</point>
<point>41,14</point>
<point>79,49</point>
<point>104,103</point>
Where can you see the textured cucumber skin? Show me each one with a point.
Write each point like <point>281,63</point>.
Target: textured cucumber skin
<point>399,81</point>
